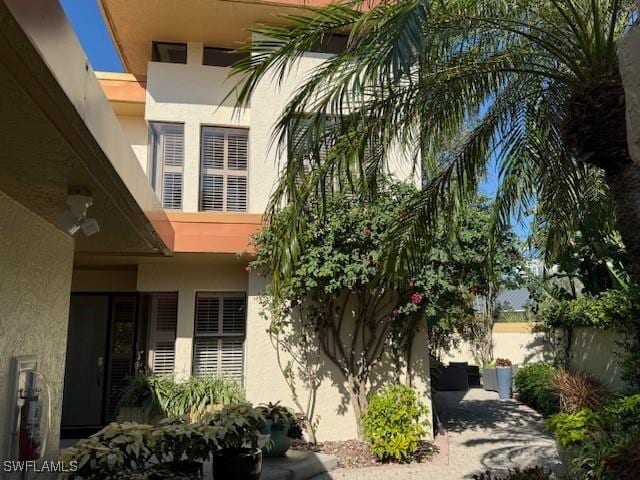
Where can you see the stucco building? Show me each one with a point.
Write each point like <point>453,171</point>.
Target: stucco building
<point>178,180</point>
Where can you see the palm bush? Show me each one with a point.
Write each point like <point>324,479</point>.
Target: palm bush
<point>162,395</point>
<point>454,86</point>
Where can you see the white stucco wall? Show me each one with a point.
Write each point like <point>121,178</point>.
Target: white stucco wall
<point>192,94</point>
<point>136,132</point>
<point>520,348</point>
<point>35,280</point>
<point>187,279</point>
<point>265,381</point>
<point>597,352</point>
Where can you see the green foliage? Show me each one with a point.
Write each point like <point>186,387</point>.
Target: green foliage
<point>607,439</point>
<point>282,417</point>
<point>491,89</point>
<point>609,309</point>
<point>573,428</point>
<point>534,387</point>
<point>129,448</point>
<point>395,422</point>
<point>239,426</point>
<point>163,396</point>
<point>531,473</point>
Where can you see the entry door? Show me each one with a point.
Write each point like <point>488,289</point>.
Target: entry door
<point>85,366</point>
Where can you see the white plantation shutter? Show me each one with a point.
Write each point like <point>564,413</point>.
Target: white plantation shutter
<point>168,163</point>
<point>220,325</point>
<point>164,322</point>
<point>224,160</point>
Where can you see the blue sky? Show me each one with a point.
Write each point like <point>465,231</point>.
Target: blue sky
<point>87,21</point>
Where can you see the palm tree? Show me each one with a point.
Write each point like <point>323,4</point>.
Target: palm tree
<point>532,86</point>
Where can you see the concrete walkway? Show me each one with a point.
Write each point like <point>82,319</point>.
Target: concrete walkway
<point>484,433</point>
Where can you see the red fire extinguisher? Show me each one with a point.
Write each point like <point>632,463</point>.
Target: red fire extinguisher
<point>30,417</point>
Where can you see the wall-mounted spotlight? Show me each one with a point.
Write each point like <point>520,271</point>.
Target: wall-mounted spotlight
<point>75,217</point>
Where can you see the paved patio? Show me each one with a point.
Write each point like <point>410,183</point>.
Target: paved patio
<point>484,433</point>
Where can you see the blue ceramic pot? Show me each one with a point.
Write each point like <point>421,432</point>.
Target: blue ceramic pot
<point>278,435</point>
<point>505,376</point>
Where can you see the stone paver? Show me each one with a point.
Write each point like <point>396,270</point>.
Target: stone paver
<point>484,433</point>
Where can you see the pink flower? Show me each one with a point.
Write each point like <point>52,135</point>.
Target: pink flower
<point>247,268</point>
<point>395,313</point>
<point>416,298</point>
<point>367,232</point>
<point>410,284</point>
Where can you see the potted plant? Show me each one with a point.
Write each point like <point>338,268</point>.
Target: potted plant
<point>504,374</point>
<point>240,441</point>
<point>277,422</point>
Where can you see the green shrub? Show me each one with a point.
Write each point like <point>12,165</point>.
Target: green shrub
<point>125,449</point>
<point>160,395</point>
<point>531,473</point>
<point>395,422</point>
<point>574,428</point>
<point>534,387</point>
<point>623,414</point>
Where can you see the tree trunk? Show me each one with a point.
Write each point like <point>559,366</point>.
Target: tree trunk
<point>624,182</point>
<point>358,396</point>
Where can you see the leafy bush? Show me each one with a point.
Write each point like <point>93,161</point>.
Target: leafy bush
<point>578,391</point>
<point>531,473</point>
<point>609,309</point>
<point>239,426</point>
<point>160,395</point>
<point>534,387</point>
<point>130,448</point>
<point>395,422</point>
<point>573,428</point>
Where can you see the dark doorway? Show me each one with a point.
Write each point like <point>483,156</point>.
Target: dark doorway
<point>100,356</point>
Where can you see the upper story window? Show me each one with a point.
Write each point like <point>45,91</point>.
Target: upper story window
<point>167,52</point>
<point>224,160</point>
<point>221,57</point>
<point>167,162</point>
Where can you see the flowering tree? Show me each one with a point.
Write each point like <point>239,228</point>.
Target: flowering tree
<point>336,305</point>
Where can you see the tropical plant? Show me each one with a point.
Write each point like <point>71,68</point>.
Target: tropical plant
<point>282,417</point>
<point>534,387</point>
<point>533,86</point>
<point>573,428</point>
<point>396,422</point>
<point>133,449</point>
<point>239,427</point>
<point>160,395</point>
<point>578,391</point>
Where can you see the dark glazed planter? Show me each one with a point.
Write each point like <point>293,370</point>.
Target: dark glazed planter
<point>242,464</point>
<point>183,467</point>
<point>280,442</point>
<point>505,377</point>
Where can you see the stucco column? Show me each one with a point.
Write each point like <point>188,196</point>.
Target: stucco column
<point>184,333</point>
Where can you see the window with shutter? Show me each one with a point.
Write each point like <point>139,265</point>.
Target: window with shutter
<point>220,325</point>
<point>224,160</point>
<point>168,162</point>
<point>163,323</point>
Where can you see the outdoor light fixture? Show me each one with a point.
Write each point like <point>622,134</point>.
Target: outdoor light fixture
<point>75,217</point>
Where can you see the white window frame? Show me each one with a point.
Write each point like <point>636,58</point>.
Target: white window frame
<point>225,172</point>
<point>164,336</point>
<point>158,167</point>
<point>220,335</point>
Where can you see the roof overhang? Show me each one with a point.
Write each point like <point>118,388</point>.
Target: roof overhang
<point>59,130</point>
<point>223,23</point>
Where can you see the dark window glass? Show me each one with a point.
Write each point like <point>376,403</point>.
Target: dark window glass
<point>331,44</point>
<point>221,57</point>
<point>169,52</point>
